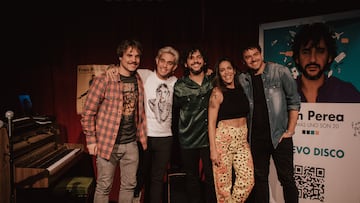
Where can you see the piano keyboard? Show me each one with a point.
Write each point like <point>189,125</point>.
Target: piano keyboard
<point>39,158</point>
<point>62,160</point>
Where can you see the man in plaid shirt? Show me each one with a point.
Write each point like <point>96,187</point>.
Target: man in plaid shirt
<point>113,120</point>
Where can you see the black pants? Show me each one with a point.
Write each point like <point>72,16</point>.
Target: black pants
<point>155,164</point>
<point>195,191</point>
<point>284,164</point>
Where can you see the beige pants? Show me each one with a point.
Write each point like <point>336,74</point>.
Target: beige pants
<point>234,151</point>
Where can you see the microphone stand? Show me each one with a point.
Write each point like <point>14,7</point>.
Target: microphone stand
<point>9,115</point>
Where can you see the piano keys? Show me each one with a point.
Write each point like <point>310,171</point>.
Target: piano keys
<point>46,167</point>
<point>39,158</point>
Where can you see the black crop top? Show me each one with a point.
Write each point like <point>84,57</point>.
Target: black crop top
<point>235,104</point>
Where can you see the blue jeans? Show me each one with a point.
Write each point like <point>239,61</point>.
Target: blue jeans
<point>127,156</point>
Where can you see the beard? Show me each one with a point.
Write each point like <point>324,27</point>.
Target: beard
<point>197,72</point>
<point>312,77</point>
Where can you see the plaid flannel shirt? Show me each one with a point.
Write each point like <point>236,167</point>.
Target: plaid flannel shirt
<point>103,110</point>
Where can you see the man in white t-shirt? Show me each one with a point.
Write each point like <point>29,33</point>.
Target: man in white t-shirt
<point>159,88</point>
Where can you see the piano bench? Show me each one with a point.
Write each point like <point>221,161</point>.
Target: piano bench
<point>75,189</point>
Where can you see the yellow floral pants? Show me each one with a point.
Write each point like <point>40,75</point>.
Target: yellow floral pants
<point>234,151</point>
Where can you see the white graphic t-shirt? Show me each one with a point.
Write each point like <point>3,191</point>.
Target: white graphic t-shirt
<point>158,102</point>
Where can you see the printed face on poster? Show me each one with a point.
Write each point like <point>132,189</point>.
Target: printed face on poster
<point>276,40</point>
<point>326,142</point>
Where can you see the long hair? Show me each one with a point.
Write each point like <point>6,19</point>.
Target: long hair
<point>217,81</point>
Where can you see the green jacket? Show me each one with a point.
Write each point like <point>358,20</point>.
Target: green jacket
<point>190,112</point>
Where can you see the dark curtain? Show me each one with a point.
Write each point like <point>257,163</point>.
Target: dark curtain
<point>44,47</point>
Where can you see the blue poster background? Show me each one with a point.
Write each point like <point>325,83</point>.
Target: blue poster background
<point>339,184</point>
<point>277,44</point>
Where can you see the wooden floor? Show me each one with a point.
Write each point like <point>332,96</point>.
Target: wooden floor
<point>173,192</point>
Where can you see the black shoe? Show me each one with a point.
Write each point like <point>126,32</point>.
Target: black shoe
<point>137,196</point>
<point>137,193</point>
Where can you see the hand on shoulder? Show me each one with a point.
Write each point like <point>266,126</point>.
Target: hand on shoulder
<point>112,72</point>
<point>209,71</point>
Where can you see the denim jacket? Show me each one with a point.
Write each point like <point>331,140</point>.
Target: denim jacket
<point>281,96</point>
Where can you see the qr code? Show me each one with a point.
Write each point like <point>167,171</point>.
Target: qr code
<point>310,182</point>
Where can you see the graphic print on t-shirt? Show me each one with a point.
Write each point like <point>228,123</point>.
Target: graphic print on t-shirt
<point>161,104</point>
<point>129,99</point>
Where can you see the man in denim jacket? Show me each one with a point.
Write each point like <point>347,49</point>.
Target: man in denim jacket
<point>274,107</point>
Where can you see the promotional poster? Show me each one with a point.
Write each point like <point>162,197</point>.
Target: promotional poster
<point>85,76</point>
<point>327,137</point>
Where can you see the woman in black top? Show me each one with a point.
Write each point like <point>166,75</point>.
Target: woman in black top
<point>228,108</point>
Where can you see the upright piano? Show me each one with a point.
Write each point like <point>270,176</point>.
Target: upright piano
<point>36,154</point>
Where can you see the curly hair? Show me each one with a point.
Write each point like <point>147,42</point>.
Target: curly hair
<point>314,33</point>
<point>188,52</point>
